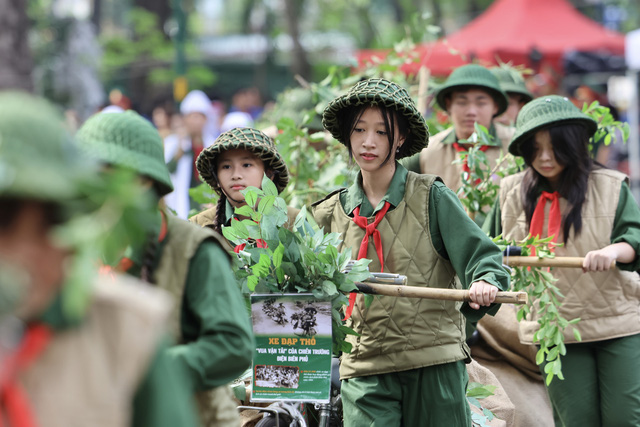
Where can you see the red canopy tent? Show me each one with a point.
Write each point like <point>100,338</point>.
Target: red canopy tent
<point>511,30</point>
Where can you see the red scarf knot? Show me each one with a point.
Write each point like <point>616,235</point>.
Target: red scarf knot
<point>555,217</point>
<point>369,230</point>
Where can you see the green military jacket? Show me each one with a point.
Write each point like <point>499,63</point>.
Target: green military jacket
<point>418,240</point>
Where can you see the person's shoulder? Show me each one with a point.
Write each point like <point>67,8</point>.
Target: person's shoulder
<point>608,174</point>
<point>205,218</point>
<point>512,180</point>
<point>328,199</point>
<point>436,140</point>
<point>123,298</point>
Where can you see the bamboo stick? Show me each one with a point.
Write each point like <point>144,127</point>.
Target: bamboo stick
<point>534,261</point>
<point>436,293</point>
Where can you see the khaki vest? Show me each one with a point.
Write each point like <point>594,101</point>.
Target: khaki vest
<point>88,375</point>
<point>398,334</point>
<point>438,157</point>
<point>608,303</point>
<point>207,217</point>
<point>215,406</point>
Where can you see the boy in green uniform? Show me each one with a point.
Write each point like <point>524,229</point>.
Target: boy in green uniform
<point>407,362</point>
<point>471,94</point>
<point>209,321</point>
<point>511,83</point>
<point>102,367</point>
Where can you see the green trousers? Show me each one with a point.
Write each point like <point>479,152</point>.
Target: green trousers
<point>431,396</point>
<point>601,385</point>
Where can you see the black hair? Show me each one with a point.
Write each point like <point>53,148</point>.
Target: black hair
<point>570,148</point>
<point>11,208</point>
<point>391,117</point>
<point>221,208</point>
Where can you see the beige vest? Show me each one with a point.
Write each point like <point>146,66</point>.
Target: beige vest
<point>398,334</point>
<point>215,406</point>
<point>207,217</point>
<point>88,375</point>
<point>608,303</point>
<point>438,157</point>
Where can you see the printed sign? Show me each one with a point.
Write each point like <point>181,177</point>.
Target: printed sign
<point>292,360</point>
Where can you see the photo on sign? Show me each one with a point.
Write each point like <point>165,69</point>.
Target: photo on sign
<point>286,316</point>
<point>275,376</point>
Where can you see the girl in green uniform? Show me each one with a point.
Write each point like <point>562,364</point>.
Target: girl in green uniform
<point>239,158</point>
<point>590,210</point>
<point>407,362</point>
<point>214,341</point>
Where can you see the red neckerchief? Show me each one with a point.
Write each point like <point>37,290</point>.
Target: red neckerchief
<point>369,229</point>
<point>555,217</point>
<point>14,402</point>
<point>259,243</point>
<point>465,166</point>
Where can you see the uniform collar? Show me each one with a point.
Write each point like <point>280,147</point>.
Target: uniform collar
<point>354,196</point>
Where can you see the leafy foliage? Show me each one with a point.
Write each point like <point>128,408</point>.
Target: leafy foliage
<point>545,300</point>
<point>111,211</point>
<point>147,46</point>
<point>480,187</point>
<point>609,129</point>
<point>303,259</point>
<point>476,391</point>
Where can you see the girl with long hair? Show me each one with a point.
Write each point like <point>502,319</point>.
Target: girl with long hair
<point>407,363</point>
<point>589,210</point>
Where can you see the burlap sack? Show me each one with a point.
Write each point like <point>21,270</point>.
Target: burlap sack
<point>513,364</point>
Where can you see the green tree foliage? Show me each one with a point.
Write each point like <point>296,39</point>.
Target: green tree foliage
<point>303,259</point>
<point>145,47</point>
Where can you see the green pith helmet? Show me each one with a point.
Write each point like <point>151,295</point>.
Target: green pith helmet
<point>512,82</point>
<point>37,157</point>
<point>388,94</point>
<point>472,76</point>
<point>544,112</point>
<point>244,139</point>
<point>127,140</point>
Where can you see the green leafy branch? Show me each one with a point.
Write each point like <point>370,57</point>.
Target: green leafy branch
<point>111,211</point>
<point>608,128</point>
<point>475,392</point>
<point>545,300</point>
<point>479,188</point>
<point>301,260</point>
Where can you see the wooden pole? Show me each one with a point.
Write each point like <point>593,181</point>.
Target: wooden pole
<point>436,293</point>
<point>534,261</point>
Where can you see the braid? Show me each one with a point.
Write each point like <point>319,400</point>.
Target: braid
<point>148,259</point>
<point>221,207</point>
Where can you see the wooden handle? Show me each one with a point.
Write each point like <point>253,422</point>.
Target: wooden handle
<point>436,293</point>
<point>534,261</point>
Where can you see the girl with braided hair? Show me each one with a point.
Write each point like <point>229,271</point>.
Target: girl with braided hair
<point>407,363</point>
<point>214,341</point>
<point>238,159</point>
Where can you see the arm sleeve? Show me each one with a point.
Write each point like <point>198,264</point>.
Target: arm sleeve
<point>626,226</point>
<point>493,222</point>
<point>163,398</point>
<point>471,252</point>
<point>215,323</point>
<point>412,163</point>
